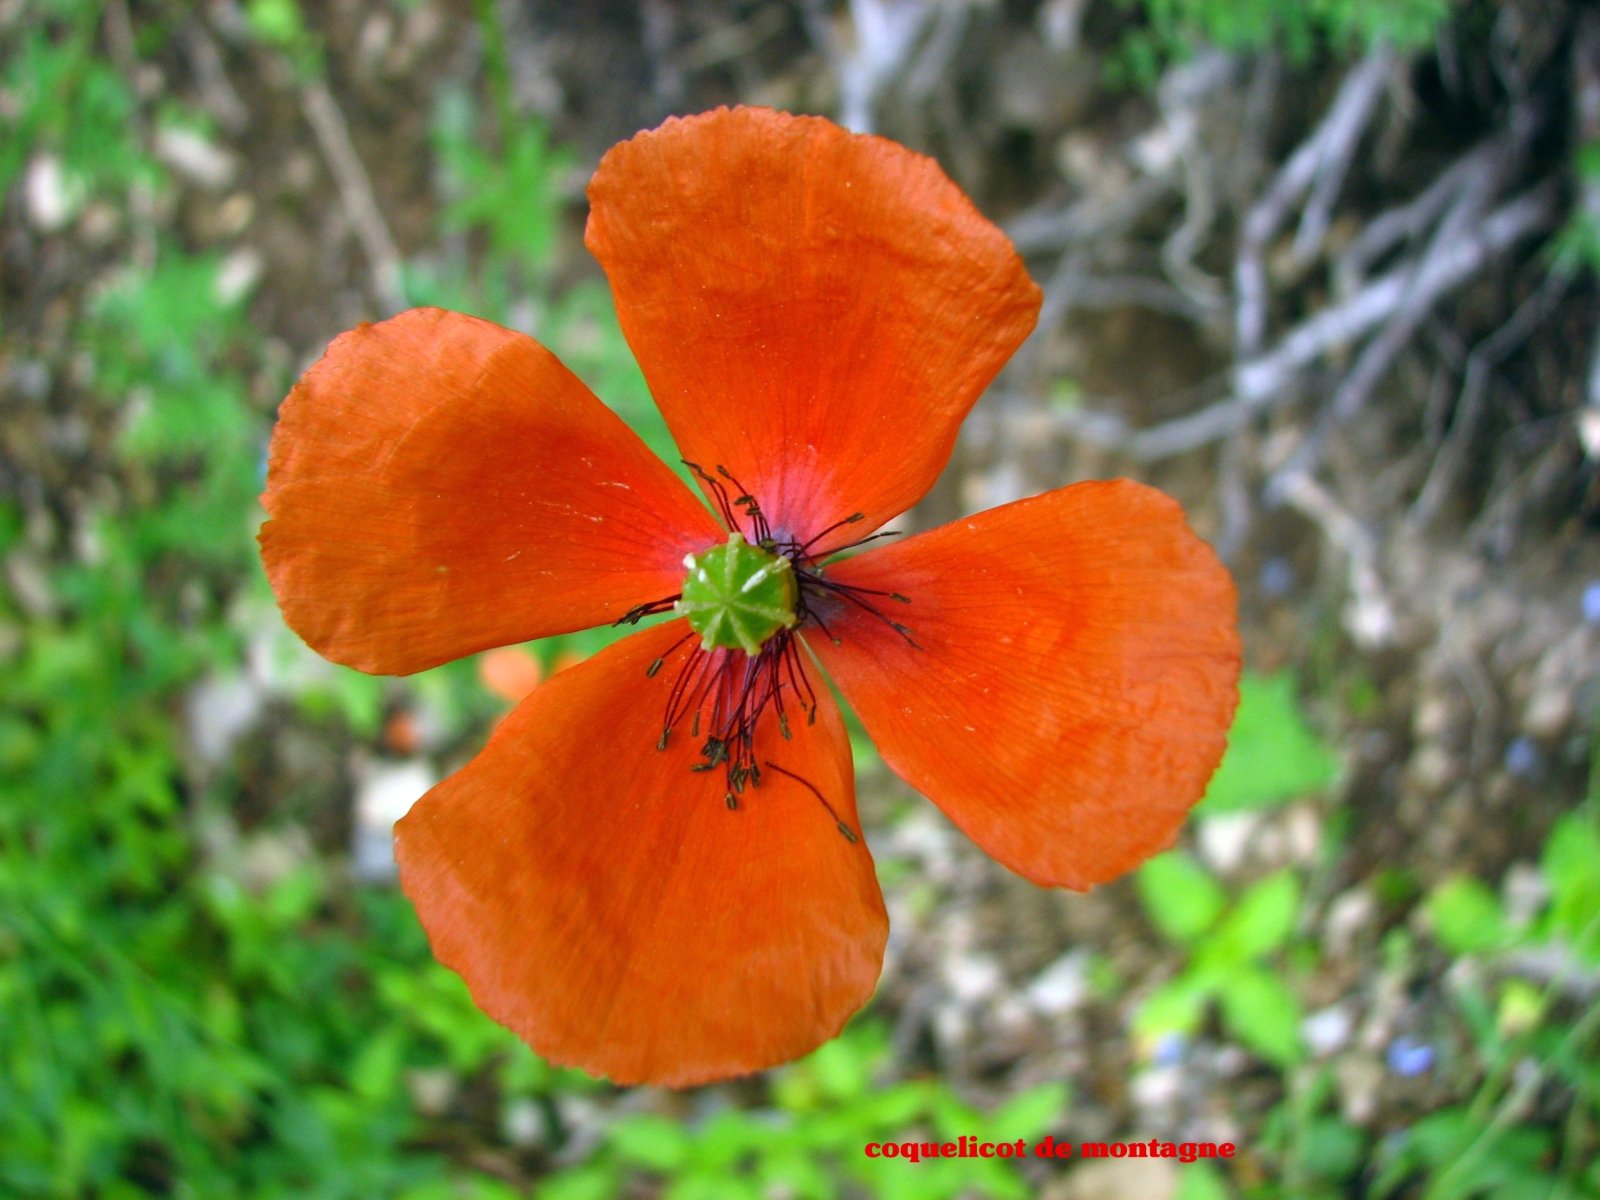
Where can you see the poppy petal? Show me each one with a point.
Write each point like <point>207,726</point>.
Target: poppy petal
<point>438,485</point>
<point>815,310</point>
<point>601,899</point>
<point>1074,675</point>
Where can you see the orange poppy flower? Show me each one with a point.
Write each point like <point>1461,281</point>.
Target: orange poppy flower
<point>653,870</point>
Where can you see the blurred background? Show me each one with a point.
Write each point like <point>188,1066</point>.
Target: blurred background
<point>1323,270</point>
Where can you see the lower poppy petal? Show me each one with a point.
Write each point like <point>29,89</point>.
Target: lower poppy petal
<point>1074,674</point>
<point>815,310</point>
<point>438,485</point>
<point>603,901</point>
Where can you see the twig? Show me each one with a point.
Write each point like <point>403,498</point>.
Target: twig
<point>1380,353</point>
<point>1476,375</point>
<point>932,66</point>
<point>1122,291</point>
<point>1092,219</point>
<point>1347,117</point>
<point>355,192</point>
<point>886,32</point>
<point>1586,92</point>
<point>732,41</point>
<point>1370,618</point>
<point>123,47</point>
<point>1181,91</point>
<point>1403,222</point>
<point>1260,99</point>
<point>1369,78</point>
<point>221,97</point>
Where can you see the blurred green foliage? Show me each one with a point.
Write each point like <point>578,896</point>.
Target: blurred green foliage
<point>1273,756</point>
<point>1241,965</point>
<point>1578,247</point>
<point>177,1023</point>
<point>1174,29</point>
<point>1525,1036</point>
<point>826,1110</point>
<point>1232,946</point>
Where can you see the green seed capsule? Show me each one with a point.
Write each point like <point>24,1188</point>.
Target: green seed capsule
<point>737,596</point>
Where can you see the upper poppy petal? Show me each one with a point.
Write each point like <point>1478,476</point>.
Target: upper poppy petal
<point>814,310</point>
<point>600,898</point>
<point>438,485</point>
<point>1074,677</point>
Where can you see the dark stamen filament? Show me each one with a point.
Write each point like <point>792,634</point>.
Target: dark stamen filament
<point>853,594</point>
<point>849,833</point>
<point>727,692</point>
<point>850,520</point>
<point>639,611</point>
<point>760,531</point>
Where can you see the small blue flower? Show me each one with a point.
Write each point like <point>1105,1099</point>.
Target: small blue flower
<point>1591,602</point>
<point>1277,578</point>
<point>1523,758</point>
<point>1169,1050</point>
<point>1409,1057</point>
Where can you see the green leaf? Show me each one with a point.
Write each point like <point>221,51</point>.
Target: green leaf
<point>1177,1006</point>
<point>596,1181</point>
<point>1200,1181</point>
<point>894,1106</point>
<point>1273,755</point>
<point>703,1185</point>
<point>651,1141</point>
<point>841,1072</point>
<point>793,1171</point>
<point>722,1140</point>
<point>1571,864</point>
<point>1332,1150</point>
<point>275,21</point>
<point>1440,1138</point>
<point>1262,920</point>
<point>1180,897</point>
<point>1030,1115</point>
<point>1466,916</point>
<point>1263,1014</point>
<point>375,1073</point>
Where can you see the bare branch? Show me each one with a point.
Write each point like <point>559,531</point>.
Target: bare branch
<point>355,192</point>
<point>1047,230</point>
<point>1263,380</point>
<point>1370,616</point>
<point>1329,146</point>
<point>1476,376</point>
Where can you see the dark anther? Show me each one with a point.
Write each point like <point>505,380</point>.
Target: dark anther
<point>650,673</point>
<point>639,611</point>
<point>759,532</point>
<point>849,833</point>
<point>857,596</point>
<point>731,801</point>
<point>850,520</point>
